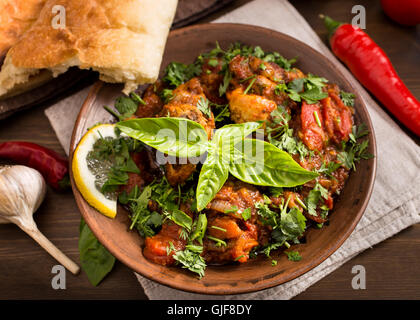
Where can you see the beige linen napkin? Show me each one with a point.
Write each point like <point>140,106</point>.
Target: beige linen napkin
<point>395,201</point>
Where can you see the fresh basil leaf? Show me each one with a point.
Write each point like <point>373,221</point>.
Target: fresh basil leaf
<point>174,136</point>
<point>231,134</point>
<point>96,261</point>
<point>263,164</point>
<point>213,175</point>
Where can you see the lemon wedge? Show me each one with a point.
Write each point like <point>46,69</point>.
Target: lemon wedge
<point>84,178</point>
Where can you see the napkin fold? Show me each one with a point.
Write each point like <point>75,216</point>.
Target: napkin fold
<point>395,200</point>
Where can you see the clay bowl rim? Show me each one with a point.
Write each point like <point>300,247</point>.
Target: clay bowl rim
<point>269,283</point>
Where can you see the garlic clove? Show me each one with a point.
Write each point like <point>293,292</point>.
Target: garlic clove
<point>22,190</point>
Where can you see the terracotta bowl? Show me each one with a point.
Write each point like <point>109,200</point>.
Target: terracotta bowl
<point>184,45</point>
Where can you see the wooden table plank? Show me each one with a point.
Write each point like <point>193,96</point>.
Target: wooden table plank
<point>25,269</point>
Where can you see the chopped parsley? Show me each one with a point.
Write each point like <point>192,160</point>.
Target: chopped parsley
<point>280,135</point>
<point>353,150</point>
<point>177,73</point>
<point>293,255</point>
<point>189,258</point>
<point>203,106</point>
<point>308,89</point>
<point>219,242</point>
<point>126,106</point>
<point>347,98</point>
<point>246,214</point>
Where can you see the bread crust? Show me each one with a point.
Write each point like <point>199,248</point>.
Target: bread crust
<point>123,40</point>
<point>16,16</point>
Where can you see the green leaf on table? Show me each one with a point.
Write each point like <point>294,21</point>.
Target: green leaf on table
<point>96,261</point>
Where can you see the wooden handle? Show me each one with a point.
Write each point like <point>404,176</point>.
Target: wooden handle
<point>52,249</point>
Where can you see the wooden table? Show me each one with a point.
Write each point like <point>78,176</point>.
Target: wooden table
<point>391,267</point>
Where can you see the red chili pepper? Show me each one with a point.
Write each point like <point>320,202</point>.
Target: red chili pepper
<point>369,63</point>
<point>405,12</point>
<point>52,166</point>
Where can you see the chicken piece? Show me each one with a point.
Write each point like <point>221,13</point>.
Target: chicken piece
<point>270,70</point>
<point>236,249</point>
<point>184,105</point>
<point>211,83</point>
<point>153,103</point>
<point>244,244</point>
<point>223,227</point>
<point>156,247</point>
<point>236,195</point>
<point>189,92</point>
<point>263,86</point>
<point>239,67</point>
<point>293,74</point>
<point>178,173</point>
<point>249,107</point>
<point>189,112</point>
<point>211,80</point>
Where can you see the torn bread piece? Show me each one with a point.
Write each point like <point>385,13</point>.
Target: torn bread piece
<point>16,16</point>
<point>122,40</point>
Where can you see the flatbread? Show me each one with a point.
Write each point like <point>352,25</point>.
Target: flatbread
<point>122,40</point>
<point>16,16</point>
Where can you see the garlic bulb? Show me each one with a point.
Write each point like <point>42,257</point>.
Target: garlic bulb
<point>22,191</point>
